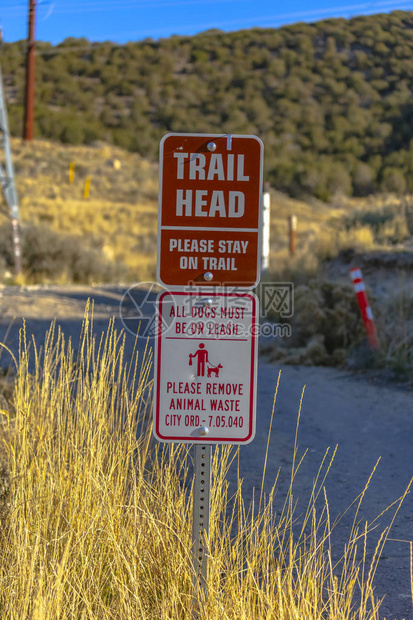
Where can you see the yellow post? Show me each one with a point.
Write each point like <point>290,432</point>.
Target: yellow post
<point>71,172</point>
<point>87,187</point>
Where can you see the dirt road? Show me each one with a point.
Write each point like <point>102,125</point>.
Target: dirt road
<point>365,419</point>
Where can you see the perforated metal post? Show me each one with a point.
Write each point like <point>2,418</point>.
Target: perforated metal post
<point>200,522</point>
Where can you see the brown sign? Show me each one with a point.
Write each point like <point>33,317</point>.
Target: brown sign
<point>209,210</point>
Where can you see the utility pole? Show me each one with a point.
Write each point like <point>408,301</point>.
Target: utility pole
<point>7,178</point>
<point>30,65</point>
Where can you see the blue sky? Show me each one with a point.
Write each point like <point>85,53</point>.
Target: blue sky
<point>132,20</point>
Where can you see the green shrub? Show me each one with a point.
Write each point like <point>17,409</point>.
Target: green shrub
<point>375,219</point>
<point>334,118</point>
<point>49,256</point>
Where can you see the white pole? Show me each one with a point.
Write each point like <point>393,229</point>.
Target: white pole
<point>265,259</point>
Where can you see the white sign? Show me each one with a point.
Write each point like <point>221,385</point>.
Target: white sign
<point>206,367</point>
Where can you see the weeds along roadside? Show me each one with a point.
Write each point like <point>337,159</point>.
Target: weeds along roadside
<point>96,518</point>
<point>116,223</point>
<point>50,257</point>
<point>326,327</point>
<point>395,329</point>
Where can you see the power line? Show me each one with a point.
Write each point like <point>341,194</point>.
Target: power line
<point>260,21</point>
<point>92,5</point>
<point>267,21</point>
<point>69,7</point>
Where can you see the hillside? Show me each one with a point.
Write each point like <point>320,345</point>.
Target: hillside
<point>110,235</point>
<point>331,100</point>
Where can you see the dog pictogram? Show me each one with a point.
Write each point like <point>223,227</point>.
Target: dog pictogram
<point>213,370</point>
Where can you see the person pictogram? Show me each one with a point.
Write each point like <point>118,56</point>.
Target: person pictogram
<point>203,363</point>
<point>202,355</point>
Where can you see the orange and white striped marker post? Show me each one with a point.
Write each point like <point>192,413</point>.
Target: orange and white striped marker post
<point>365,309</point>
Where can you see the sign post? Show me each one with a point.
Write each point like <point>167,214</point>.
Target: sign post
<point>205,389</point>
<point>200,519</point>
<point>209,239</point>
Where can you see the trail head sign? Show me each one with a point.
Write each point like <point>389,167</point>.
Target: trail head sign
<point>209,222</point>
<point>206,367</point>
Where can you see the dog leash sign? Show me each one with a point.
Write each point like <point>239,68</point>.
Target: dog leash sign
<point>206,367</point>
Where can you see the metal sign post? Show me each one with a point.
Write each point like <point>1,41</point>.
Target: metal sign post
<point>200,521</point>
<point>205,390</point>
<point>209,239</point>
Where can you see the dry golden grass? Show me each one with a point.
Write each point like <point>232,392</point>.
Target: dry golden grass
<point>323,230</point>
<point>97,519</point>
<point>120,215</point>
<point>395,328</point>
